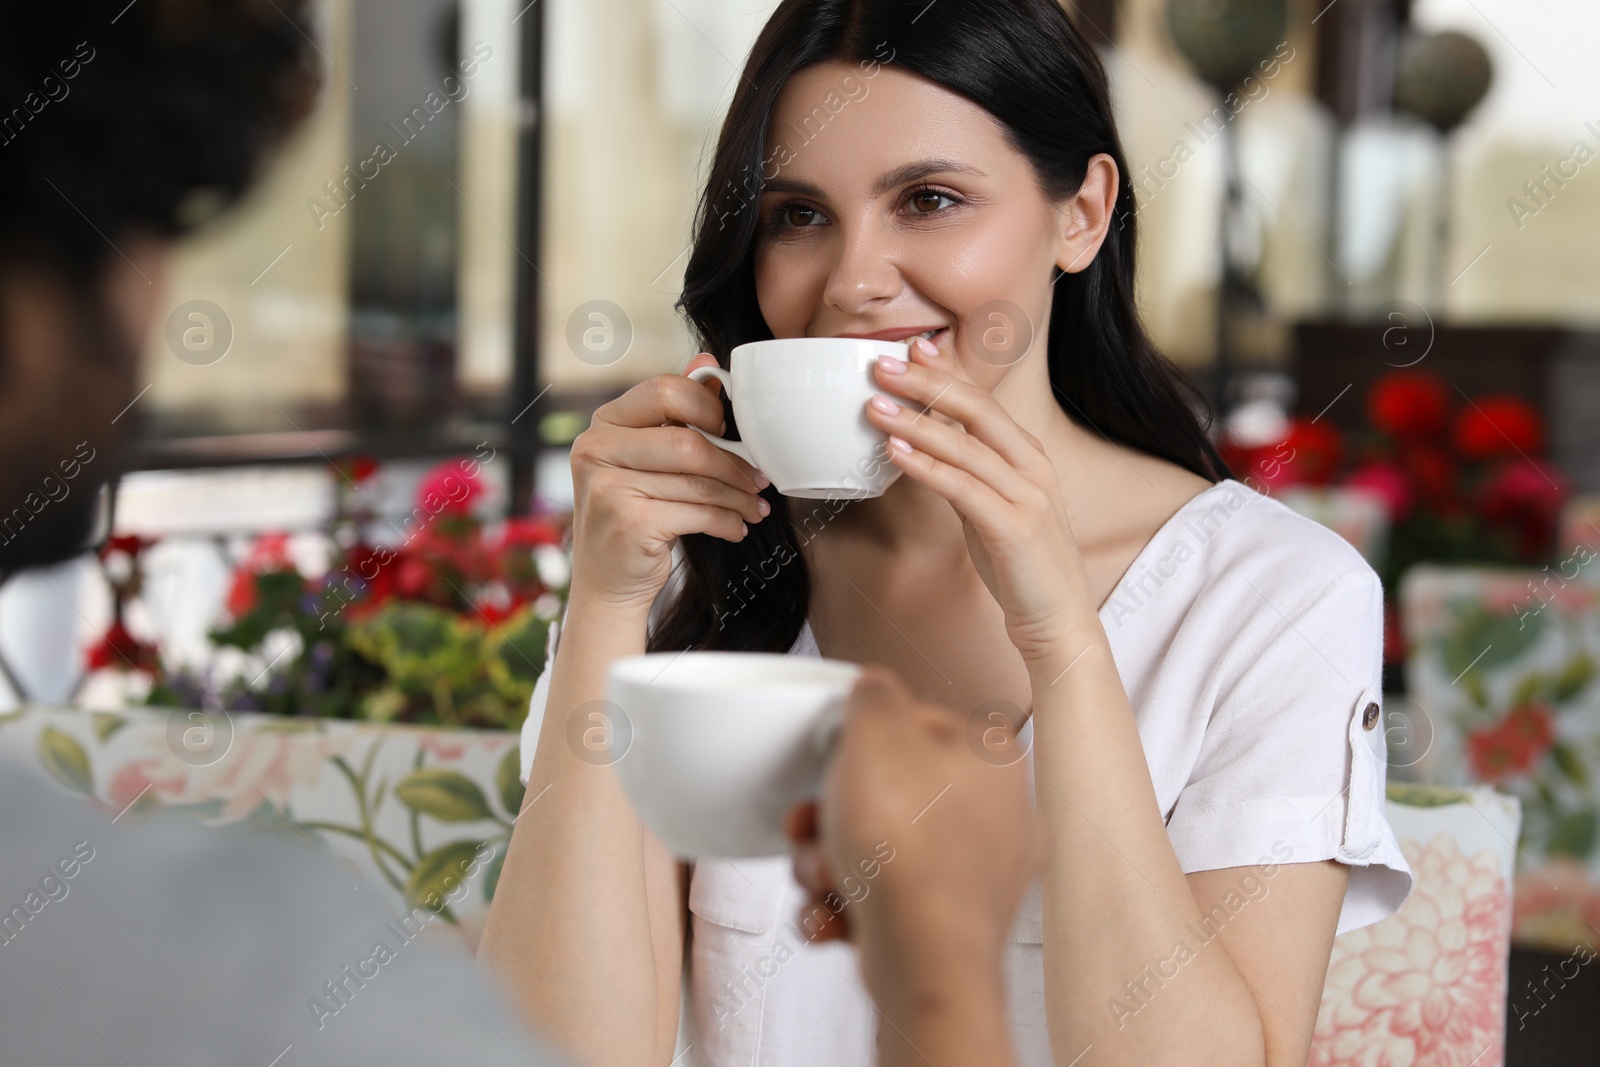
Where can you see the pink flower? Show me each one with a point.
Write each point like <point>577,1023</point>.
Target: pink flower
<point>1513,745</point>
<point>1523,498</point>
<point>1427,986</point>
<point>449,488</point>
<point>1557,906</point>
<point>444,748</point>
<point>259,764</point>
<point>1389,484</point>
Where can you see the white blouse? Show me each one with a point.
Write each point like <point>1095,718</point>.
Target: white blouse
<point>1249,639</point>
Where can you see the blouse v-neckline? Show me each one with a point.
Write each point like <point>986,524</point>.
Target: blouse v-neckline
<point>806,643</point>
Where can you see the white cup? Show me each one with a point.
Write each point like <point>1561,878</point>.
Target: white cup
<point>800,406</point>
<point>723,744</point>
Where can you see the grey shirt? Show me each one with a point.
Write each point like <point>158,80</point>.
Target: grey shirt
<point>162,943</point>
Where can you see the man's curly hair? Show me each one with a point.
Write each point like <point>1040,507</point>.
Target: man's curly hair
<point>149,116</point>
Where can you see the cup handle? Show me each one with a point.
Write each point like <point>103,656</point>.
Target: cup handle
<point>700,374</point>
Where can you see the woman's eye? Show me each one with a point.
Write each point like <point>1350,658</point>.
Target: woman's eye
<point>928,201</point>
<point>797,215</point>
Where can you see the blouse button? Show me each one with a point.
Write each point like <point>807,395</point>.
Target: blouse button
<point>1369,718</point>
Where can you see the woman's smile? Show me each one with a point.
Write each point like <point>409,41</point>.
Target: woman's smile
<point>905,216</point>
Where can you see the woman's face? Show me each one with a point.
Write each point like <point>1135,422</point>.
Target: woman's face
<point>899,207</point>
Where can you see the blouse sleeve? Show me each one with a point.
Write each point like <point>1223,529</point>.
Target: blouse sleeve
<point>1293,763</point>
<point>541,696</point>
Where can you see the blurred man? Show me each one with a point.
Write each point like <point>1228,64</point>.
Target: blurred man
<point>151,942</point>
<point>123,126</point>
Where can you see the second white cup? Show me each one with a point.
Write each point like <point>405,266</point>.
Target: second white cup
<point>720,745</point>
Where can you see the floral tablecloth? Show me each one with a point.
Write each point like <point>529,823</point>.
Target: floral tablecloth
<point>420,815</point>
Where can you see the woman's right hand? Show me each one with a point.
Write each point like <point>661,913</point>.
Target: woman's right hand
<point>639,484</point>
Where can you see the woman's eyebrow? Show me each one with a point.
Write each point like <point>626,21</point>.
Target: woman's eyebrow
<point>911,172</point>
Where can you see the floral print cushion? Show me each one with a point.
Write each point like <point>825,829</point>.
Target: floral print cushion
<point>420,815</point>
<point>1501,674</point>
<point>1426,987</point>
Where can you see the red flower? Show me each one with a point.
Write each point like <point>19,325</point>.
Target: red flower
<point>1431,470</point>
<point>495,612</point>
<point>1394,636</point>
<point>132,544</point>
<point>1513,746</point>
<point>1523,499</point>
<point>412,578</point>
<point>448,489</point>
<point>1497,426</point>
<point>360,468</point>
<point>1409,404</point>
<point>123,651</point>
<point>1314,450</point>
<point>1308,453</point>
<point>242,593</point>
<point>529,533</point>
<point>375,570</point>
<point>1388,483</point>
<point>270,552</point>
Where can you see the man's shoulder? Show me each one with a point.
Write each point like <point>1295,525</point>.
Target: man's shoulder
<point>202,944</point>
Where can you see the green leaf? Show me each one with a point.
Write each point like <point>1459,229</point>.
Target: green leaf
<point>1528,689</point>
<point>508,779</point>
<point>491,874</point>
<point>1571,763</point>
<point>106,723</point>
<point>1574,677</point>
<point>522,649</point>
<point>66,760</point>
<point>1416,795</point>
<point>1483,641</point>
<point>1474,683</point>
<point>1574,835</point>
<point>448,796</point>
<point>440,872</point>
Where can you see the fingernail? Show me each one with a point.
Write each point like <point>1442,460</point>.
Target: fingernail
<point>899,444</point>
<point>925,347</point>
<point>884,404</point>
<point>892,365</point>
<point>764,508</point>
<point>762,481</point>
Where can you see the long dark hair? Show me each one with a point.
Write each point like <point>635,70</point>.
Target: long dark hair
<point>1025,63</point>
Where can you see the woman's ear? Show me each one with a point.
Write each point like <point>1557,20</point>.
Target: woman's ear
<point>1086,216</point>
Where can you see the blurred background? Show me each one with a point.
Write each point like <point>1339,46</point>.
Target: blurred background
<point>1368,233</point>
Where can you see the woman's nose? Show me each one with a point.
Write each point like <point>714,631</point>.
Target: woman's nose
<point>868,265</point>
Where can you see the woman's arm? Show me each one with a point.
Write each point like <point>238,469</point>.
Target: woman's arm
<point>1116,902</point>
<point>586,928</point>
<point>1281,941</point>
<point>1128,966</point>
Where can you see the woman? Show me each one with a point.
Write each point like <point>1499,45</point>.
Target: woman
<point>1199,667</point>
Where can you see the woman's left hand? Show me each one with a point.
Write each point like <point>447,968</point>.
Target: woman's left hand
<point>1002,485</point>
